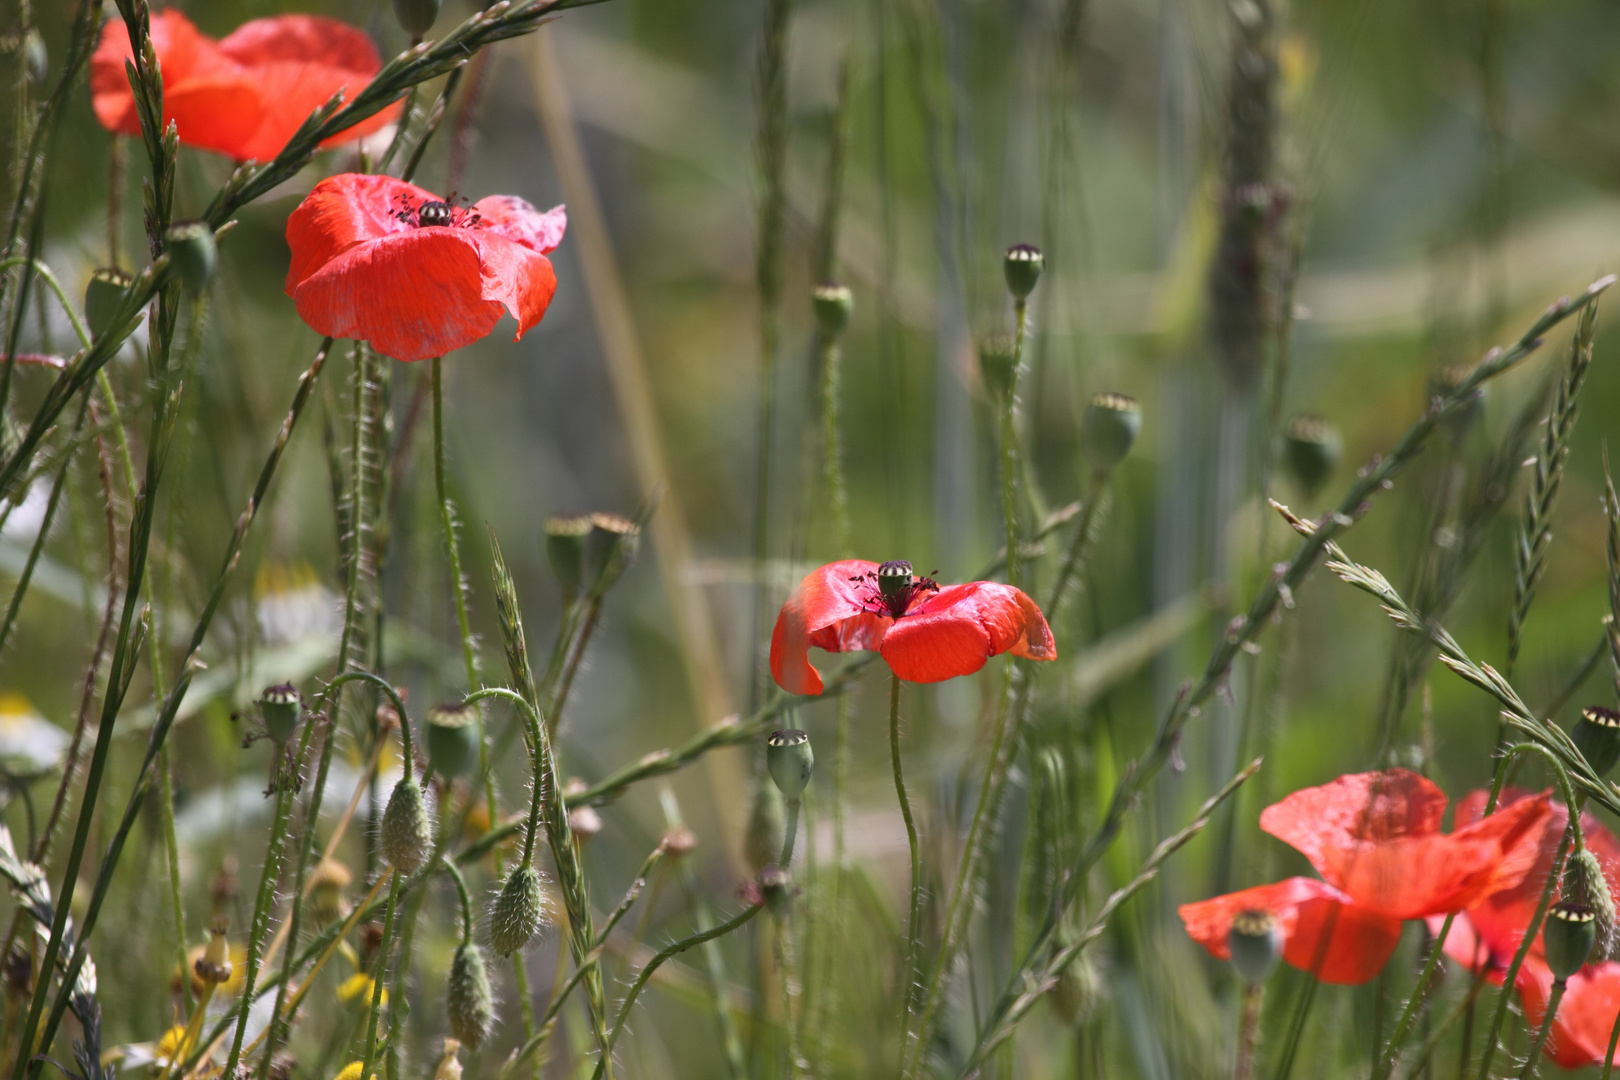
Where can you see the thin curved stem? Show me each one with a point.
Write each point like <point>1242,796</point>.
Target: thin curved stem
<point>378,978</point>
<point>1614,1037</point>
<point>1553,1000</point>
<point>449,867</point>
<point>914,917</point>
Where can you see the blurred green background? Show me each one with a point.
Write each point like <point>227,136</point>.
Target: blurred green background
<point>1450,167</point>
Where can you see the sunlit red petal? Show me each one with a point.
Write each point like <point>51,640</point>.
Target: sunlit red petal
<point>1359,806</point>
<point>206,94</point>
<point>411,295</point>
<point>1465,946</point>
<point>521,223</point>
<point>341,211</point>
<point>955,630</point>
<point>1585,1019</point>
<point>520,279</point>
<point>1323,931</point>
<point>826,610</point>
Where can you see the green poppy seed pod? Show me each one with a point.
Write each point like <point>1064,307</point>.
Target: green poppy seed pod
<point>280,707</point>
<point>471,1003</point>
<point>454,737</point>
<point>1585,883</point>
<point>894,578</point>
<point>407,835</point>
<point>1256,944</point>
<point>1078,990</point>
<point>103,297</point>
<point>1568,936</point>
<point>762,844</point>
<point>1311,450</point>
<point>36,60</point>
<point>1597,737</point>
<point>789,758</point>
<point>565,550</point>
<point>775,886</point>
<point>416,16</point>
<point>1108,429</point>
<point>519,911</point>
<point>833,304</point>
<point>610,547</point>
<point>191,249</point>
<point>998,364</point>
<point>1023,269</point>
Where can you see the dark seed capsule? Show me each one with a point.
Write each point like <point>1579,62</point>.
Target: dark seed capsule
<point>433,215</point>
<point>998,364</point>
<point>416,16</point>
<point>279,708</point>
<point>1256,944</point>
<point>1311,450</point>
<point>1023,269</point>
<point>1568,936</point>
<point>833,304</point>
<point>789,758</point>
<point>565,550</point>
<point>1597,737</point>
<point>192,253</point>
<point>1108,429</point>
<point>103,298</point>
<point>453,739</point>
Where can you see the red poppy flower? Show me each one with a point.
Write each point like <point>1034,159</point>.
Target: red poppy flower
<point>1377,837</point>
<point>925,632</point>
<point>1324,931</point>
<point>384,261</point>
<point>1585,1018</point>
<point>244,96</point>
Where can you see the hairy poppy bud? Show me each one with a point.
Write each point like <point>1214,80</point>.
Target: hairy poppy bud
<point>1256,944</point>
<point>103,297</point>
<point>327,883</point>
<point>453,739</point>
<point>407,836</point>
<point>191,249</point>
<point>36,60</point>
<point>1311,449</point>
<point>1078,990</point>
<point>1567,937</point>
<point>789,758</point>
<point>998,364</point>
<point>775,888</point>
<point>1023,269</point>
<point>416,16</point>
<point>1108,429</point>
<point>833,304</point>
<point>1585,883</point>
<point>610,547</point>
<point>1597,737</point>
<point>519,911</point>
<point>565,550</point>
<point>762,845</point>
<point>471,1002</point>
<point>280,707</point>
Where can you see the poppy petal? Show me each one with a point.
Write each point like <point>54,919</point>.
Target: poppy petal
<point>521,223</point>
<point>827,610</point>
<point>342,211</point>
<point>1580,1030</point>
<point>1360,806</point>
<point>1465,946</point>
<point>515,276</point>
<point>413,295</point>
<point>1323,931</point>
<point>954,631</point>
<point>192,66</point>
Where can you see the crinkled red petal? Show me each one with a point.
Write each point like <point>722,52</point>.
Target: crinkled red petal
<point>1360,806</point>
<point>955,630</point>
<point>826,610</point>
<point>342,211</point>
<point>1323,930</point>
<point>210,98</point>
<point>521,223</point>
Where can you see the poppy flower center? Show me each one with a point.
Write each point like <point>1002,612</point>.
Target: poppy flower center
<point>434,213</point>
<point>890,589</point>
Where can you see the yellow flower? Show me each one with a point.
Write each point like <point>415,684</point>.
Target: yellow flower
<point>173,1045</point>
<point>351,1071</point>
<point>357,987</point>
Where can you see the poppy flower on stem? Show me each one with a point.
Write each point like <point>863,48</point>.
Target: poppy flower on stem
<point>392,264</point>
<point>1585,1018</point>
<point>925,632</point>
<point>243,96</point>
<point>1376,840</point>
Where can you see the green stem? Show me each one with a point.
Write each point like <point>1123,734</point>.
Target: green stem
<point>1553,999</point>
<point>172,847</point>
<point>914,918</point>
<point>447,521</point>
<point>261,915</point>
<point>1083,533</point>
<point>1248,1030</point>
<point>378,979</point>
<point>1009,449</point>
<point>1614,1037</point>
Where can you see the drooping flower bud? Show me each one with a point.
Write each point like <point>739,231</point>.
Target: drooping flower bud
<point>327,883</point>
<point>1108,429</point>
<point>454,737</point>
<point>1597,737</point>
<point>1311,449</point>
<point>762,844</point>
<point>471,1003</point>
<point>1585,883</point>
<point>519,911</point>
<point>416,16</point>
<point>565,550</point>
<point>1022,267</point>
<point>789,758</point>
<point>998,364</point>
<point>1256,944</point>
<point>103,297</point>
<point>407,835</point>
<point>191,249</point>
<point>610,547</point>
<point>1567,937</point>
<point>833,304</point>
<point>280,708</point>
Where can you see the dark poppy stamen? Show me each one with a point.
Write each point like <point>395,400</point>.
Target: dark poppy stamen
<point>434,214</point>
<point>893,587</point>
